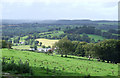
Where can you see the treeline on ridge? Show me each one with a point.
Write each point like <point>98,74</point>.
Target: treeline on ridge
<point>107,50</point>
<point>94,31</point>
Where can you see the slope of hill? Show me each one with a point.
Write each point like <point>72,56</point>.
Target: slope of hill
<point>61,66</point>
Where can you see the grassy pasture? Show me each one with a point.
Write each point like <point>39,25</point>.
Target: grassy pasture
<point>53,33</point>
<point>22,39</point>
<point>61,66</point>
<point>47,42</point>
<point>57,33</point>
<point>23,47</point>
<point>95,37</point>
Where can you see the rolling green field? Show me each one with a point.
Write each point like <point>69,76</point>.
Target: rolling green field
<point>47,42</point>
<point>95,37</point>
<point>23,47</point>
<point>61,66</point>
<point>57,33</point>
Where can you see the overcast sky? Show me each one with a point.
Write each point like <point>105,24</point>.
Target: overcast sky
<point>60,9</point>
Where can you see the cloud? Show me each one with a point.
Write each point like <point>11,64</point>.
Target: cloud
<point>72,9</point>
<point>57,1</point>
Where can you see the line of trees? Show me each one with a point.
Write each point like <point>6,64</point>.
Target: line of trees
<point>107,50</point>
<point>92,30</point>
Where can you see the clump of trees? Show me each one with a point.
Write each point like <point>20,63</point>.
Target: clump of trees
<point>64,46</point>
<point>107,50</point>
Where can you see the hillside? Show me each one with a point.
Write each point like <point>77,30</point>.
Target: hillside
<point>60,66</point>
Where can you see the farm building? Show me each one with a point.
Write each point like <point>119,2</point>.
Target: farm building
<point>43,49</point>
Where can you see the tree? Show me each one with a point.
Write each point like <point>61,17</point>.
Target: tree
<point>31,41</point>
<point>64,46</point>
<point>112,31</point>
<point>75,44</point>
<point>36,42</point>
<point>10,40</point>
<point>85,38</point>
<point>89,50</point>
<point>49,47</point>
<point>43,46</point>
<point>9,44</point>
<point>40,43</point>
<point>5,44</point>
<point>35,47</point>
<point>108,50</point>
<point>80,49</point>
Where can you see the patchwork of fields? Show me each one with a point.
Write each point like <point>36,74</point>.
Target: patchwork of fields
<point>61,66</point>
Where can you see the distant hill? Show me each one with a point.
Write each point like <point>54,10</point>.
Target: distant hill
<point>4,21</point>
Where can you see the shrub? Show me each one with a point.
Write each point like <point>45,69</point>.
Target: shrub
<point>19,67</point>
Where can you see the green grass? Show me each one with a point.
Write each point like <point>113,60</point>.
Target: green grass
<point>95,37</point>
<point>57,33</point>
<point>114,34</point>
<point>104,30</point>
<point>52,33</point>
<point>71,66</point>
<point>23,47</point>
<point>22,39</point>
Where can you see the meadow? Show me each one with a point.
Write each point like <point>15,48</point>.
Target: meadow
<point>48,65</point>
<point>23,47</point>
<point>47,42</point>
<point>95,37</point>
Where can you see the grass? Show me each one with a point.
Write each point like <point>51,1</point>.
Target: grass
<point>22,39</point>
<point>115,34</point>
<point>23,47</point>
<point>52,33</point>
<point>47,42</point>
<point>57,33</point>
<point>95,37</point>
<point>61,66</point>
<point>104,30</point>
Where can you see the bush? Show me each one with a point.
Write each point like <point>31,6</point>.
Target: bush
<point>19,67</point>
<point>43,46</point>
